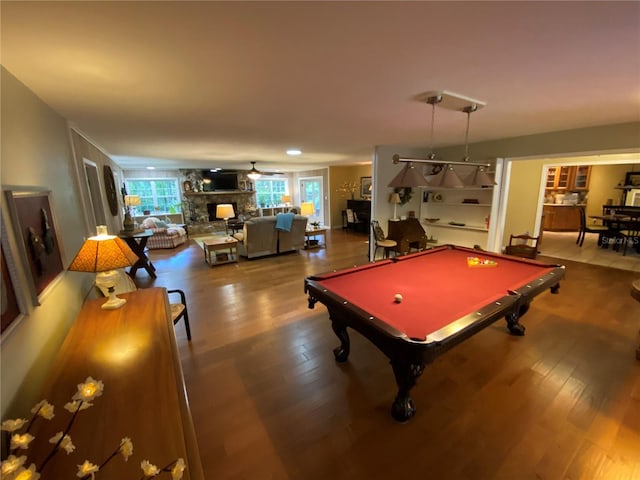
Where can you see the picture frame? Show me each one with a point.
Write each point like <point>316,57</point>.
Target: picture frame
<point>37,241</point>
<point>632,179</point>
<point>14,302</point>
<point>365,187</point>
<point>242,185</point>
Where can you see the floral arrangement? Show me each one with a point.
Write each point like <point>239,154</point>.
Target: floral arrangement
<point>13,467</point>
<point>348,187</point>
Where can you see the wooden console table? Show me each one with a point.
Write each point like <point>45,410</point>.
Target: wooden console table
<point>133,351</point>
<point>635,293</point>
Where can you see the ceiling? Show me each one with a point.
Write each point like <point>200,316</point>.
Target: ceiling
<point>204,84</point>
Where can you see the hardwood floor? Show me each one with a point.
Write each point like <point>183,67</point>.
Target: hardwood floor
<point>269,401</point>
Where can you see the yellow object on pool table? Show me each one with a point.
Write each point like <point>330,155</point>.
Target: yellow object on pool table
<point>481,262</point>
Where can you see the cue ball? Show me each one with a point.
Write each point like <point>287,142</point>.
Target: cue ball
<point>398,298</point>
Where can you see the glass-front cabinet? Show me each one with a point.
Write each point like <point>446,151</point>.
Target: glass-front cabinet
<point>570,178</point>
<point>559,178</point>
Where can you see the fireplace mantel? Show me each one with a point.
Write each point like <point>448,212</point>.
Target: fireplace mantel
<point>224,192</point>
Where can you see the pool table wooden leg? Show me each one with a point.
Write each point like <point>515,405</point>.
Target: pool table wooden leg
<point>341,353</point>
<point>513,319</point>
<point>406,374</point>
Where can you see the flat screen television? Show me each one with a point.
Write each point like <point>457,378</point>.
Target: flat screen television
<point>220,180</point>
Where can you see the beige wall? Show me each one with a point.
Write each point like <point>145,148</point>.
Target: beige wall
<point>603,183</point>
<point>35,151</point>
<point>339,176</point>
<point>525,205</point>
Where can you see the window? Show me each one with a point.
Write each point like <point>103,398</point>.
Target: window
<point>158,195</point>
<point>269,191</point>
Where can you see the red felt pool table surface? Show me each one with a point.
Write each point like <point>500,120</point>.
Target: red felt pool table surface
<point>438,287</point>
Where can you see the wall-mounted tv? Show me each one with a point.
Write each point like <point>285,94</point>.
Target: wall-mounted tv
<point>220,180</point>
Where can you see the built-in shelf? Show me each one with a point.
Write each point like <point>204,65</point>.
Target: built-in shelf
<point>462,204</point>
<point>460,189</point>
<point>475,228</point>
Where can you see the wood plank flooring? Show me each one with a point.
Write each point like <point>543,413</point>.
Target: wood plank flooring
<point>269,401</point>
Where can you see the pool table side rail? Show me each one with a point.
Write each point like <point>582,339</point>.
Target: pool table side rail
<point>548,280</point>
<point>396,344</point>
<point>393,342</point>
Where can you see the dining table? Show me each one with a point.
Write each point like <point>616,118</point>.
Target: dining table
<point>616,223</point>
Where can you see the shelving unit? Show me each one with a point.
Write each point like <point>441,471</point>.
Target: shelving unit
<point>448,205</point>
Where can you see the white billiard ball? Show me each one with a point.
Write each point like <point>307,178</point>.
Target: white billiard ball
<point>397,297</point>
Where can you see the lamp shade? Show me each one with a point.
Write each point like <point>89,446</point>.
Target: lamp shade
<point>394,198</point>
<point>479,178</point>
<point>285,198</point>
<point>103,253</point>
<point>132,200</point>
<point>307,209</point>
<point>447,178</point>
<point>225,210</point>
<point>408,177</point>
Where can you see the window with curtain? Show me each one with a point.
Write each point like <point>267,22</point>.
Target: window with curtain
<point>158,195</point>
<point>269,191</point>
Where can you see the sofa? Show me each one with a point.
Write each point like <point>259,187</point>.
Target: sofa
<point>165,235</point>
<point>259,237</point>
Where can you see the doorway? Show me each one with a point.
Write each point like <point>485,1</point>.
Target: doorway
<point>311,191</point>
<point>93,184</point>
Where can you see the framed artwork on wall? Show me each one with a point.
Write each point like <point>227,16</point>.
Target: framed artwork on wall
<point>36,237</point>
<point>13,302</point>
<point>365,187</point>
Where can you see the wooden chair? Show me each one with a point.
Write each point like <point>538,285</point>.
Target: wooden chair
<point>353,222</point>
<point>601,230</point>
<point>631,234</point>
<point>381,241</point>
<point>523,246</point>
<point>179,310</point>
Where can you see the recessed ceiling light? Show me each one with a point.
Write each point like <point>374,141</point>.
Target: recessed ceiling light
<point>151,168</point>
<point>294,151</point>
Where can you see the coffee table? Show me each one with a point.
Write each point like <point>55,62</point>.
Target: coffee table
<point>310,242</point>
<point>218,251</point>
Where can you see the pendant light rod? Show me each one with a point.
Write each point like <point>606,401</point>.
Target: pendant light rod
<point>468,110</point>
<point>397,159</point>
<point>433,101</point>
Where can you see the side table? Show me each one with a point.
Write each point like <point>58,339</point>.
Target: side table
<point>218,251</point>
<point>138,243</point>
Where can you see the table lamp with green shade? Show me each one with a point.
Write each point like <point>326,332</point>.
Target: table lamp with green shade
<point>103,254</point>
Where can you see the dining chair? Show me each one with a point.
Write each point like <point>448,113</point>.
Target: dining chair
<point>381,240</point>
<point>601,230</point>
<point>178,309</point>
<point>630,234</point>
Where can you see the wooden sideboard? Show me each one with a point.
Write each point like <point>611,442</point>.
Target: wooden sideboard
<point>133,351</point>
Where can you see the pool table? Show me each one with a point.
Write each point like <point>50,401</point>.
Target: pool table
<point>447,294</point>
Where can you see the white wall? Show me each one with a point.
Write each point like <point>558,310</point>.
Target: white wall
<point>35,151</point>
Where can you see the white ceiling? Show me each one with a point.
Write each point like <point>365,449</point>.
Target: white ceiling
<point>203,84</point>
